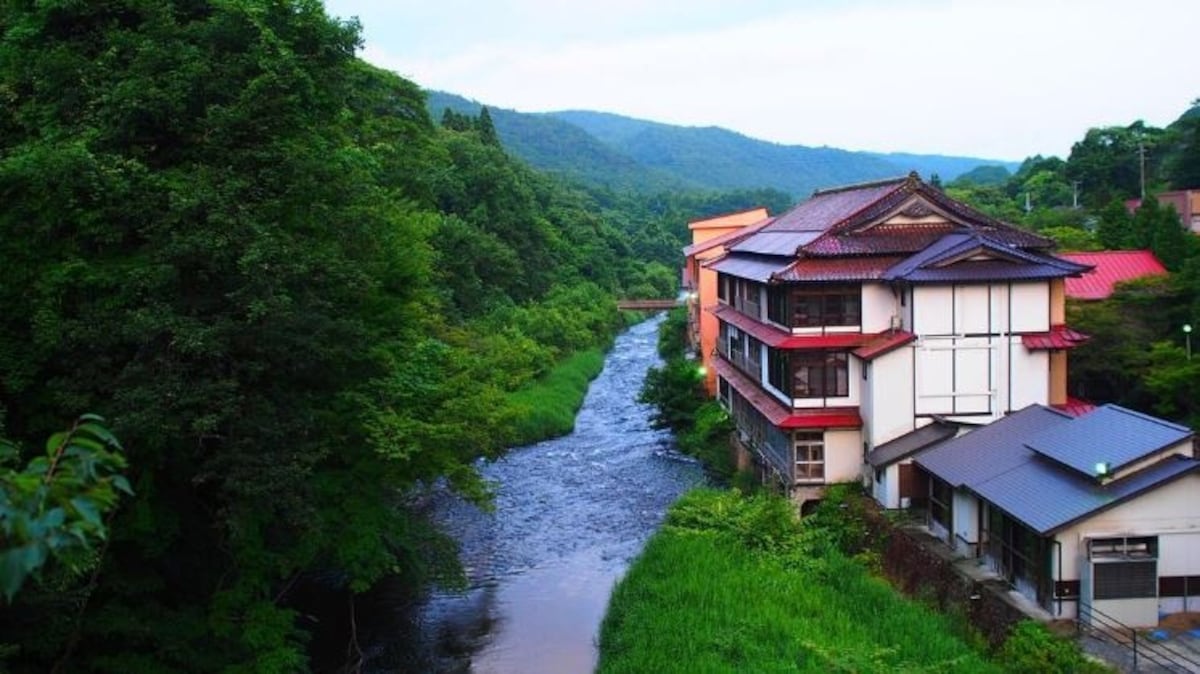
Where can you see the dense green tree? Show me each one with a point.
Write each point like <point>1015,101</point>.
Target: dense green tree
<point>1182,165</point>
<point>1108,162</point>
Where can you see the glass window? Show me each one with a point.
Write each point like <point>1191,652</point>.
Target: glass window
<point>809,448</point>
<point>820,374</point>
<point>839,306</point>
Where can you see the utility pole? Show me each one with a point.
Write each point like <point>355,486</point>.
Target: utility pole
<point>1142,166</point>
<point>1028,205</point>
<point>1075,194</point>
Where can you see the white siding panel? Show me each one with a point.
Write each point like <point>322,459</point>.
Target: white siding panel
<point>971,310</point>
<point>891,394</point>
<point>1031,376</point>
<point>933,310</point>
<point>1031,307</point>
<point>973,376</point>
<point>935,376</point>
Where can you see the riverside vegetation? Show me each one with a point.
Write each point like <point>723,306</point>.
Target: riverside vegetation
<point>735,581</point>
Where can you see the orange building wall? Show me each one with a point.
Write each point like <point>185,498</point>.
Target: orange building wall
<point>706,281</point>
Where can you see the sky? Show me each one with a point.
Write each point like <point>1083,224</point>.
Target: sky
<point>999,79</point>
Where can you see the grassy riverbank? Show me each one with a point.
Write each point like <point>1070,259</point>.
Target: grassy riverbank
<point>547,407</point>
<point>736,584</point>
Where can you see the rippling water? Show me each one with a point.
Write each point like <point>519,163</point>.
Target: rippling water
<point>571,513</point>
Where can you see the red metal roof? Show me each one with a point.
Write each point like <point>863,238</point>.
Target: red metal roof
<point>1075,407</point>
<point>885,343</point>
<point>1110,268</point>
<point>779,414</point>
<point>783,339</point>
<point>1059,337</point>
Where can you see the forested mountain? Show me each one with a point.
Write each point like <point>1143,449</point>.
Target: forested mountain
<point>708,157</point>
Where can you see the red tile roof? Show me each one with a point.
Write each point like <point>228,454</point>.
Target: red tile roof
<point>885,343</point>
<point>1059,337</point>
<point>843,269</point>
<point>780,415</point>
<point>783,339</point>
<point>1075,407</point>
<point>1111,267</point>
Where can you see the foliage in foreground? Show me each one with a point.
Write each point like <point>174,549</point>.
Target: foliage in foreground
<point>736,584</point>
<point>546,408</point>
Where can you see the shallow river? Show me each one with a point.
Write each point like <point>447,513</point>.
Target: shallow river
<point>571,513</point>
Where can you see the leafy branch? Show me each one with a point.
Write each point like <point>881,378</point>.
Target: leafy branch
<point>53,506</point>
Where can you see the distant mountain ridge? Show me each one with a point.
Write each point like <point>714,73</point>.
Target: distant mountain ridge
<point>619,152</point>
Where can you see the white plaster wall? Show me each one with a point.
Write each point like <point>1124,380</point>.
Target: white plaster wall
<point>933,310</point>
<point>891,393</point>
<point>1031,307</point>
<point>843,455</point>
<point>879,304</point>
<point>881,488</point>
<point>971,315</point>
<point>1030,376</point>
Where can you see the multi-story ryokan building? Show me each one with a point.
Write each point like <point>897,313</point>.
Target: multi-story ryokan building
<point>872,321</point>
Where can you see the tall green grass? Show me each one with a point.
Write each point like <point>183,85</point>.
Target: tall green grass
<point>547,407</point>
<point>728,585</point>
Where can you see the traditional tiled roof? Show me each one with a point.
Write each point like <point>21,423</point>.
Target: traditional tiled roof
<point>969,256</point>
<point>998,462</point>
<point>833,269</point>
<point>1110,267</point>
<point>778,414</point>
<point>1059,337</point>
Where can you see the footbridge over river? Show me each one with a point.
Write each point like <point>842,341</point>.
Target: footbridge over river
<point>648,305</point>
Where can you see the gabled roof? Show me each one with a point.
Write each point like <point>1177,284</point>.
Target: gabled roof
<point>1110,267</point>
<point>1110,435</point>
<point>842,221</point>
<point>997,462</point>
<point>970,256</point>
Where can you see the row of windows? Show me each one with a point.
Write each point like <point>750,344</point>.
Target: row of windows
<point>809,374</point>
<point>794,306</point>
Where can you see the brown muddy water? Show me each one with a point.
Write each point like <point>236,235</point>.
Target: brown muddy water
<point>570,516</point>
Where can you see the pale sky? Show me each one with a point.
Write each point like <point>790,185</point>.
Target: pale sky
<point>1001,79</point>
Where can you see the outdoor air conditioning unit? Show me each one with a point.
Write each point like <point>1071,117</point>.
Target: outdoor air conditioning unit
<point>894,322</point>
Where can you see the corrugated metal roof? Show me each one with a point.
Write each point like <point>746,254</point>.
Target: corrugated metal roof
<point>784,339</point>
<point>724,239</point>
<point>885,343</point>
<point>1059,337</point>
<point>1046,498</point>
<point>774,243</point>
<point>997,463</point>
<point>752,268</point>
<point>1111,434</point>
<point>1110,268</point>
<point>991,449</point>
<point>910,443</point>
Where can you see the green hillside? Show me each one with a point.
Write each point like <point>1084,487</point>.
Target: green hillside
<point>599,148</point>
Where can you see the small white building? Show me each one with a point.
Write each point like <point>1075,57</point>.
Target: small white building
<point>1099,512</point>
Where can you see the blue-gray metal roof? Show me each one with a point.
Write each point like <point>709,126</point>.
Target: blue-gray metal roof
<point>912,442</point>
<point>990,449</point>
<point>1110,434</point>
<point>774,243</point>
<point>1046,498</point>
<point>752,267</point>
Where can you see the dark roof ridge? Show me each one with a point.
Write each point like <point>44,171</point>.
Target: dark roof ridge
<point>864,185</point>
<point>1153,419</point>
